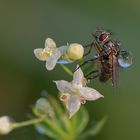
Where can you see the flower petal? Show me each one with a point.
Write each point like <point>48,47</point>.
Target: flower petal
<point>52,60</point>
<point>63,49</point>
<point>39,54</point>
<point>90,93</point>
<point>49,43</point>
<point>78,78</point>
<point>73,105</point>
<point>64,86</point>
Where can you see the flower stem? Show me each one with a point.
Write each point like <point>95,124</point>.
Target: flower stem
<point>67,70</point>
<point>26,123</point>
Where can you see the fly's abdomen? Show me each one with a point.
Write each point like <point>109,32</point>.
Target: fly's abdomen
<point>105,72</point>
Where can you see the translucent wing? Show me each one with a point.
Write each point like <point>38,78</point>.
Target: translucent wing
<point>49,43</point>
<point>125,59</point>
<point>115,71</point>
<point>51,61</point>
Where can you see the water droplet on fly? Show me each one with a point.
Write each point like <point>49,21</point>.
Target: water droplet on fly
<point>125,59</point>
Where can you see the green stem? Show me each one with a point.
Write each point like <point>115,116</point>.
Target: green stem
<point>81,61</point>
<point>26,123</point>
<point>67,70</point>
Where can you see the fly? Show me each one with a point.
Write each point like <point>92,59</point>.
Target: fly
<point>109,57</point>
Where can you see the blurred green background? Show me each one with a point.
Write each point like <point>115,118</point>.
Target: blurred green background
<point>24,25</point>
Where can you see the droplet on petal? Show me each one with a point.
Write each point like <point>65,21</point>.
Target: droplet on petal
<point>63,62</point>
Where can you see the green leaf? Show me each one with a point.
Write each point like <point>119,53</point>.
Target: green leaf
<point>89,68</point>
<point>53,124</point>
<point>46,130</point>
<point>56,128</point>
<point>80,120</point>
<point>81,61</point>
<point>94,130</point>
<point>66,69</point>
<point>56,106</point>
<point>60,118</point>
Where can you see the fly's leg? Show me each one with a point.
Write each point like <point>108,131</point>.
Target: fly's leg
<point>95,45</point>
<point>86,62</point>
<point>90,46</point>
<point>92,75</point>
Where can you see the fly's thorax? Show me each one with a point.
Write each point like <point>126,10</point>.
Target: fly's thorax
<point>104,37</point>
<point>111,48</point>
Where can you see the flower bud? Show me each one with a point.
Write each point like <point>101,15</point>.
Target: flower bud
<point>75,51</point>
<point>43,107</point>
<point>5,125</point>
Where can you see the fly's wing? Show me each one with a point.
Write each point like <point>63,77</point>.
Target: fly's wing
<point>115,71</point>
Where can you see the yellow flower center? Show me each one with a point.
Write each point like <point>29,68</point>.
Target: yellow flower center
<point>75,91</point>
<point>46,53</point>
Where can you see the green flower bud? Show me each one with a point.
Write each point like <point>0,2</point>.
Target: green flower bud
<point>75,51</point>
<point>43,107</point>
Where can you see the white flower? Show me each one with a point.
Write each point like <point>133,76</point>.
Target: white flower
<point>76,93</point>
<point>5,125</point>
<point>50,54</point>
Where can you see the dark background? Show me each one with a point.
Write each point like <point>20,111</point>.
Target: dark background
<point>24,26</point>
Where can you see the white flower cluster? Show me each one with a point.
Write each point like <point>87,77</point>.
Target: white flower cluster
<point>63,54</point>
<point>72,93</point>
